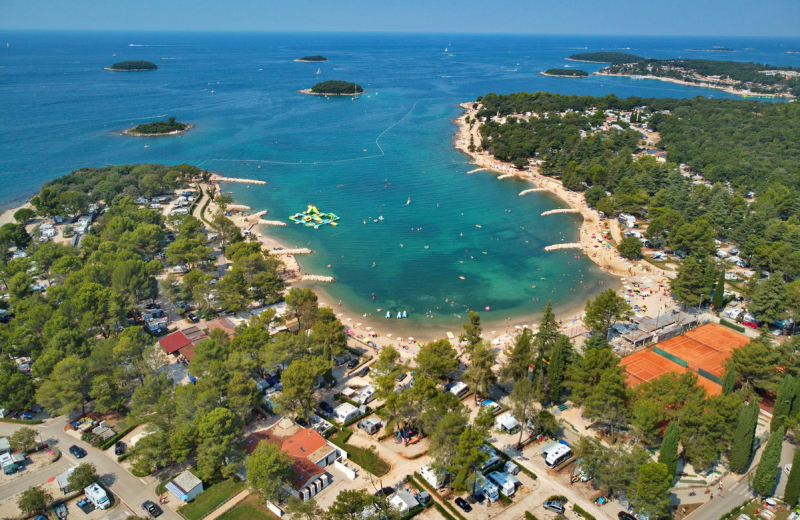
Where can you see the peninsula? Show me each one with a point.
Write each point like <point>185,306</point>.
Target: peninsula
<point>312,59</point>
<point>132,66</point>
<point>158,128</point>
<point>744,79</point>
<point>565,73</point>
<point>334,88</point>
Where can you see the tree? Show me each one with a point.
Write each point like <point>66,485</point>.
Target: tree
<point>468,457</point>
<point>34,500</point>
<point>792,491</point>
<point>548,334</point>
<point>728,381</point>
<point>308,510</point>
<point>668,454</point>
<point>14,234</point>
<point>769,299</point>
<point>630,247</point>
<point>646,416</point>
<point>67,387</point>
<point>269,471</point>
<point>744,437</point>
<point>216,431</point>
<point>719,292</point>
<point>767,471</point>
<point>607,400</point>
<point>522,399</point>
<point>82,476</point>
<point>472,331</point>
<point>352,504</point>
<point>605,310</point>
<point>518,358</point>
<point>437,359</point>
<point>299,380</point>
<point>17,390</point>
<point>444,437</point>
<point>755,365</point>
<point>479,376</point>
<point>690,286</point>
<point>23,439</point>
<point>107,394</point>
<point>585,373</point>
<point>783,402</point>
<point>24,215</point>
<point>303,304</point>
<point>650,494</point>
<point>558,367</point>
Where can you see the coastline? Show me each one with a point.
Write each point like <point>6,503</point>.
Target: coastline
<point>310,61</point>
<point>563,75</point>
<point>127,70</point>
<point>326,94</point>
<point>130,132</point>
<point>727,89</point>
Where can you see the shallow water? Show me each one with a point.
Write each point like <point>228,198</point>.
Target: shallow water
<point>360,158</point>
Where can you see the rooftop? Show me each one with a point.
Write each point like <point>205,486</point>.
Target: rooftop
<point>172,343</point>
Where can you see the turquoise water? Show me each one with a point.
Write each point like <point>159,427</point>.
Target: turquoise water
<point>360,159</point>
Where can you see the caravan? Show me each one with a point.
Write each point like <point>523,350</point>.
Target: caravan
<point>507,483</point>
<point>556,454</point>
<point>485,487</point>
<point>435,478</point>
<point>97,496</point>
<point>493,458</point>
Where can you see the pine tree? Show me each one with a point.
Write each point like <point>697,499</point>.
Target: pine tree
<point>719,292</point>
<point>728,381</point>
<point>558,365</point>
<point>783,403</point>
<point>669,448</point>
<point>767,471</point>
<point>792,492</point>
<point>743,437</point>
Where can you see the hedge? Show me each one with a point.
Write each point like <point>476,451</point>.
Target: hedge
<point>123,457</point>
<point>530,516</point>
<point>578,509</point>
<point>730,325</point>
<point>503,455</point>
<point>110,442</point>
<point>443,512</point>
<point>413,512</point>
<point>735,511</point>
<point>356,419</point>
<point>437,495</point>
<point>21,421</point>
<point>557,498</point>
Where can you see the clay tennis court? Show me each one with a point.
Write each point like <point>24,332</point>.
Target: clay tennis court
<point>706,347</point>
<point>645,365</point>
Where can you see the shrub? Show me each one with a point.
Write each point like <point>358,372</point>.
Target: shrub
<point>92,438</point>
<point>578,509</point>
<point>558,498</point>
<point>530,516</point>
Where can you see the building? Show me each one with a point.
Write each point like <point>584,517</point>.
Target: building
<point>403,501</point>
<point>658,329</point>
<point>177,344</point>
<point>310,451</point>
<point>185,486</point>
<point>345,412</point>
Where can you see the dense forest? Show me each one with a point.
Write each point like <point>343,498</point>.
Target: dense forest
<point>160,127</point>
<point>570,73</point>
<point>606,57</point>
<point>313,59</point>
<point>133,65</point>
<point>337,87</point>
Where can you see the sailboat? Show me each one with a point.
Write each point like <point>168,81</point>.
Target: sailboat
<point>319,71</point>
<point>445,49</point>
<point>114,54</point>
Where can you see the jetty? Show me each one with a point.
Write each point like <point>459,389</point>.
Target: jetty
<point>505,176</point>
<point>297,251</point>
<point>564,210</point>
<point>271,222</point>
<point>532,190</point>
<point>317,278</point>
<point>238,206</point>
<point>219,178</point>
<point>477,170</point>
<point>569,245</point>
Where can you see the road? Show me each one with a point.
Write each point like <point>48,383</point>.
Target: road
<point>131,490</point>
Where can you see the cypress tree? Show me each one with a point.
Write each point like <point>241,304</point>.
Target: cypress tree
<point>767,471</point>
<point>728,381</point>
<point>744,436</point>
<point>669,448</point>
<point>792,492</point>
<point>719,292</point>
<point>558,364</point>
<point>783,403</point>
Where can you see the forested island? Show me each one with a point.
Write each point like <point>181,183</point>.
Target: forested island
<point>133,66</point>
<point>732,76</point>
<point>335,88</point>
<point>312,59</point>
<point>156,128</point>
<point>566,73</point>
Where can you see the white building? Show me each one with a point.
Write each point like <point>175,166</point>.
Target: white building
<point>185,486</point>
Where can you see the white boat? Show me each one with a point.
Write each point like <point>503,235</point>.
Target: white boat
<point>319,71</point>
<point>114,54</point>
<point>445,49</point>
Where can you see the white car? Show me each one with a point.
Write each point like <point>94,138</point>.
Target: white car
<point>787,469</point>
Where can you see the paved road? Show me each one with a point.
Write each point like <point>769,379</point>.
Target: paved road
<point>133,491</point>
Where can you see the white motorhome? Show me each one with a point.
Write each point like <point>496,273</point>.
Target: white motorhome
<point>485,487</point>
<point>435,478</point>
<point>493,458</point>
<point>556,454</point>
<point>345,412</point>
<point>459,389</point>
<point>97,496</point>
<point>366,395</point>
<point>506,482</point>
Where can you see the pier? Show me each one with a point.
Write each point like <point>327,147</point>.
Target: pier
<point>297,251</point>
<point>505,176</point>
<point>317,278</point>
<point>271,222</point>
<point>218,178</point>
<point>476,170</point>
<point>569,245</point>
<point>564,210</point>
<point>532,190</point>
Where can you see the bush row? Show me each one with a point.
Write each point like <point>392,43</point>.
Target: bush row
<point>730,325</point>
<point>113,440</point>
<point>578,509</point>
<point>436,494</point>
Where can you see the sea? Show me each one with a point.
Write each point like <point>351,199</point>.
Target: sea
<point>415,231</point>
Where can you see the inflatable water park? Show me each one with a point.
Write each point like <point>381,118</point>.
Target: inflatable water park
<point>312,217</point>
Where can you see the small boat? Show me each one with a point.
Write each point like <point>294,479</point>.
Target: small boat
<point>112,54</point>
<point>388,314</point>
<point>319,71</point>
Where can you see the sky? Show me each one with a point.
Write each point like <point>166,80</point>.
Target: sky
<point>779,18</point>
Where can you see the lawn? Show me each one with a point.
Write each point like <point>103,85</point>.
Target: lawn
<point>251,508</point>
<point>366,458</point>
<point>211,499</point>
<point>750,509</point>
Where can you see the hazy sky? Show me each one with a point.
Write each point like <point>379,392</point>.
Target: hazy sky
<point>656,17</point>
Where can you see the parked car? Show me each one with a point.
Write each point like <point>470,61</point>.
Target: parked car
<point>463,504</point>
<point>326,407</point>
<point>554,506</point>
<point>151,509</point>
<point>384,492</point>
<point>352,363</point>
<point>624,515</point>
<point>423,497</point>
<point>194,318</point>
<point>402,376</point>
<point>119,448</point>
<point>77,451</point>
<point>363,372</point>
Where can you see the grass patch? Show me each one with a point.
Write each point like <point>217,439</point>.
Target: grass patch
<point>251,508</point>
<point>366,458</point>
<point>730,325</point>
<point>211,498</point>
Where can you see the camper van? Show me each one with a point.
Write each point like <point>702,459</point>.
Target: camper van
<point>493,458</point>
<point>485,487</point>
<point>371,426</point>
<point>505,482</point>
<point>557,455</point>
<point>97,496</point>
<point>435,478</point>
<point>459,389</point>
<point>366,395</point>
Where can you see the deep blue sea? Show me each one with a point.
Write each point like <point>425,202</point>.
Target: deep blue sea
<point>360,159</point>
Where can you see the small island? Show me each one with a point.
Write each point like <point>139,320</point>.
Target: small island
<point>334,88</point>
<point>156,128</point>
<point>312,59</point>
<point>132,66</point>
<point>605,57</point>
<point>565,73</point>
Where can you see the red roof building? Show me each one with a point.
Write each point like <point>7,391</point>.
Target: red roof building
<point>172,343</point>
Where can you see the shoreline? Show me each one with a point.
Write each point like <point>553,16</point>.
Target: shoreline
<point>131,133</point>
<point>726,89</point>
<point>310,93</point>
<point>127,70</point>
<point>310,61</point>
<point>563,75</point>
